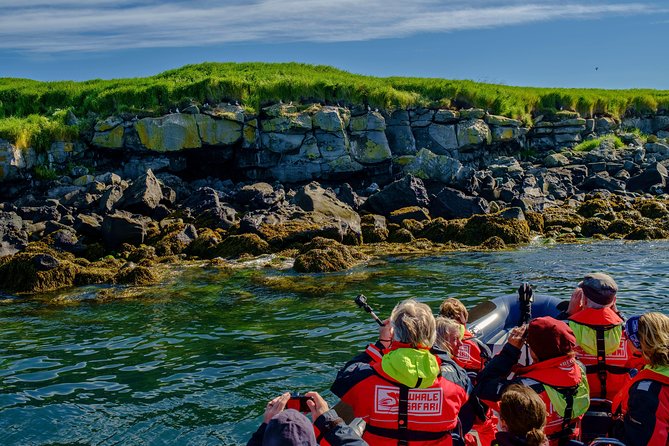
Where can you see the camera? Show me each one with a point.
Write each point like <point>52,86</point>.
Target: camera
<point>361,300</point>
<point>298,402</point>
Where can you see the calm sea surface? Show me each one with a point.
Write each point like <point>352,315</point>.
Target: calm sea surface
<point>193,361</point>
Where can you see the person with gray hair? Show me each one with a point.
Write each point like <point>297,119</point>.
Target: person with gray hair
<point>405,393</point>
<point>601,341</point>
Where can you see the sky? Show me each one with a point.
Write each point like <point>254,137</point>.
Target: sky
<point>563,43</point>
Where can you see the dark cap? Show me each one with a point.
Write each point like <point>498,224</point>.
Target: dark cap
<point>289,428</point>
<point>549,338</point>
<point>599,288</point>
<point>632,330</point>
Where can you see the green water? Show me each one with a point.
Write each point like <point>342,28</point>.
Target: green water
<point>193,361</point>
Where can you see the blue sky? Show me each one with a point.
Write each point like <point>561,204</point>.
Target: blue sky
<point>540,43</point>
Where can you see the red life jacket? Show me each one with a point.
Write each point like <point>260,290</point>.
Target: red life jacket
<point>607,373</point>
<point>469,354</point>
<point>621,399</point>
<point>564,375</point>
<point>400,415</point>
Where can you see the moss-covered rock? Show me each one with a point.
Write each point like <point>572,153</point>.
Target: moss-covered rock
<point>413,226</point>
<point>493,243</point>
<point>593,207</point>
<point>647,233</point>
<point>441,230</point>
<point>372,233</point>
<point>561,218</point>
<point>326,255</point>
<point>95,273</point>
<point>401,235</point>
<point>535,220</point>
<point>205,243</point>
<point>410,213</point>
<point>243,244</point>
<point>142,252</point>
<point>593,226</point>
<point>621,227</point>
<point>481,227</point>
<point>136,275</point>
<point>37,269</point>
<point>653,209</point>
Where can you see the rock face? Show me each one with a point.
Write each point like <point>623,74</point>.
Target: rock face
<point>170,133</point>
<point>143,196</point>
<point>452,203</point>
<point>313,198</point>
<point>12,236</point>
<point>122,227</point>
<point>407,192</point>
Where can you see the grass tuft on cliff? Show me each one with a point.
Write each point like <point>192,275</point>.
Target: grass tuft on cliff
<point>256,84</point>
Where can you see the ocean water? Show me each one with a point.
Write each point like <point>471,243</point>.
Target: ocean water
<point>194,360</point>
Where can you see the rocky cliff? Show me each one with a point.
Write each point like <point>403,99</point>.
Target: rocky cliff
<point>219,181</point>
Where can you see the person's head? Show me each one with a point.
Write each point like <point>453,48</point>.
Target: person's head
<point>599,290</point>
<point>454,309</point>
<point>413,324</point>
<point>549,338</point>
<point>449,335</point>
<point>289,428</point>
<point>523,414</point>
<point>654,338</point>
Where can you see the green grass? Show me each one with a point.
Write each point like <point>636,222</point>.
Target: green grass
<point>37,131</point>
<point>587,146</point>
<point>257,84</point>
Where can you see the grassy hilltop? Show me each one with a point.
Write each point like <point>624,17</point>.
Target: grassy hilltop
<point>33,113</point>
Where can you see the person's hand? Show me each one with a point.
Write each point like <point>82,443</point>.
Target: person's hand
<point>517,336</point>
<point>317,405</point>
<point>386,333</point>
<point>275,406</point>
<point>576,301</point>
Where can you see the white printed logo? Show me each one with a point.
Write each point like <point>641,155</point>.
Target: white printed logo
<point>422,402</point>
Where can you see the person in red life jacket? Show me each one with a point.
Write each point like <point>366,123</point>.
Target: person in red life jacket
<point>601,340</point>
<point>644,400</point>
<point>473,354</point>
<point>555,375</point>
<point>288,427</point>
<point>522,418</point>
<point>409,396</point>
<point>477,420</point>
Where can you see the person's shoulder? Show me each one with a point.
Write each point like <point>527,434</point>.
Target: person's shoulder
<point>451,371</point>
<point>350,376</point>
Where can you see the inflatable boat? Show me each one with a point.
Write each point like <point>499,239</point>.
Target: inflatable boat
<point>491,322</point>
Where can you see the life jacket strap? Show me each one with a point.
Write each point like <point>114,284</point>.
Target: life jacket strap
<point>566,430</point>
<point>415,435</point>
<point>403,416</point>
<point>601,361</point>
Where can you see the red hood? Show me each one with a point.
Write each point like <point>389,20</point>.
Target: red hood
<point>562,371</point>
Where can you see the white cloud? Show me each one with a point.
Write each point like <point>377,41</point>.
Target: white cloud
<point>103,25</point>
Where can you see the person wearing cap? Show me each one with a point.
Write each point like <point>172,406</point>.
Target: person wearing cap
<point>600,337</point>
<point>555,375</point>
<point>409,395</point>
<point>288,427</point>
<point>644,400</point>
